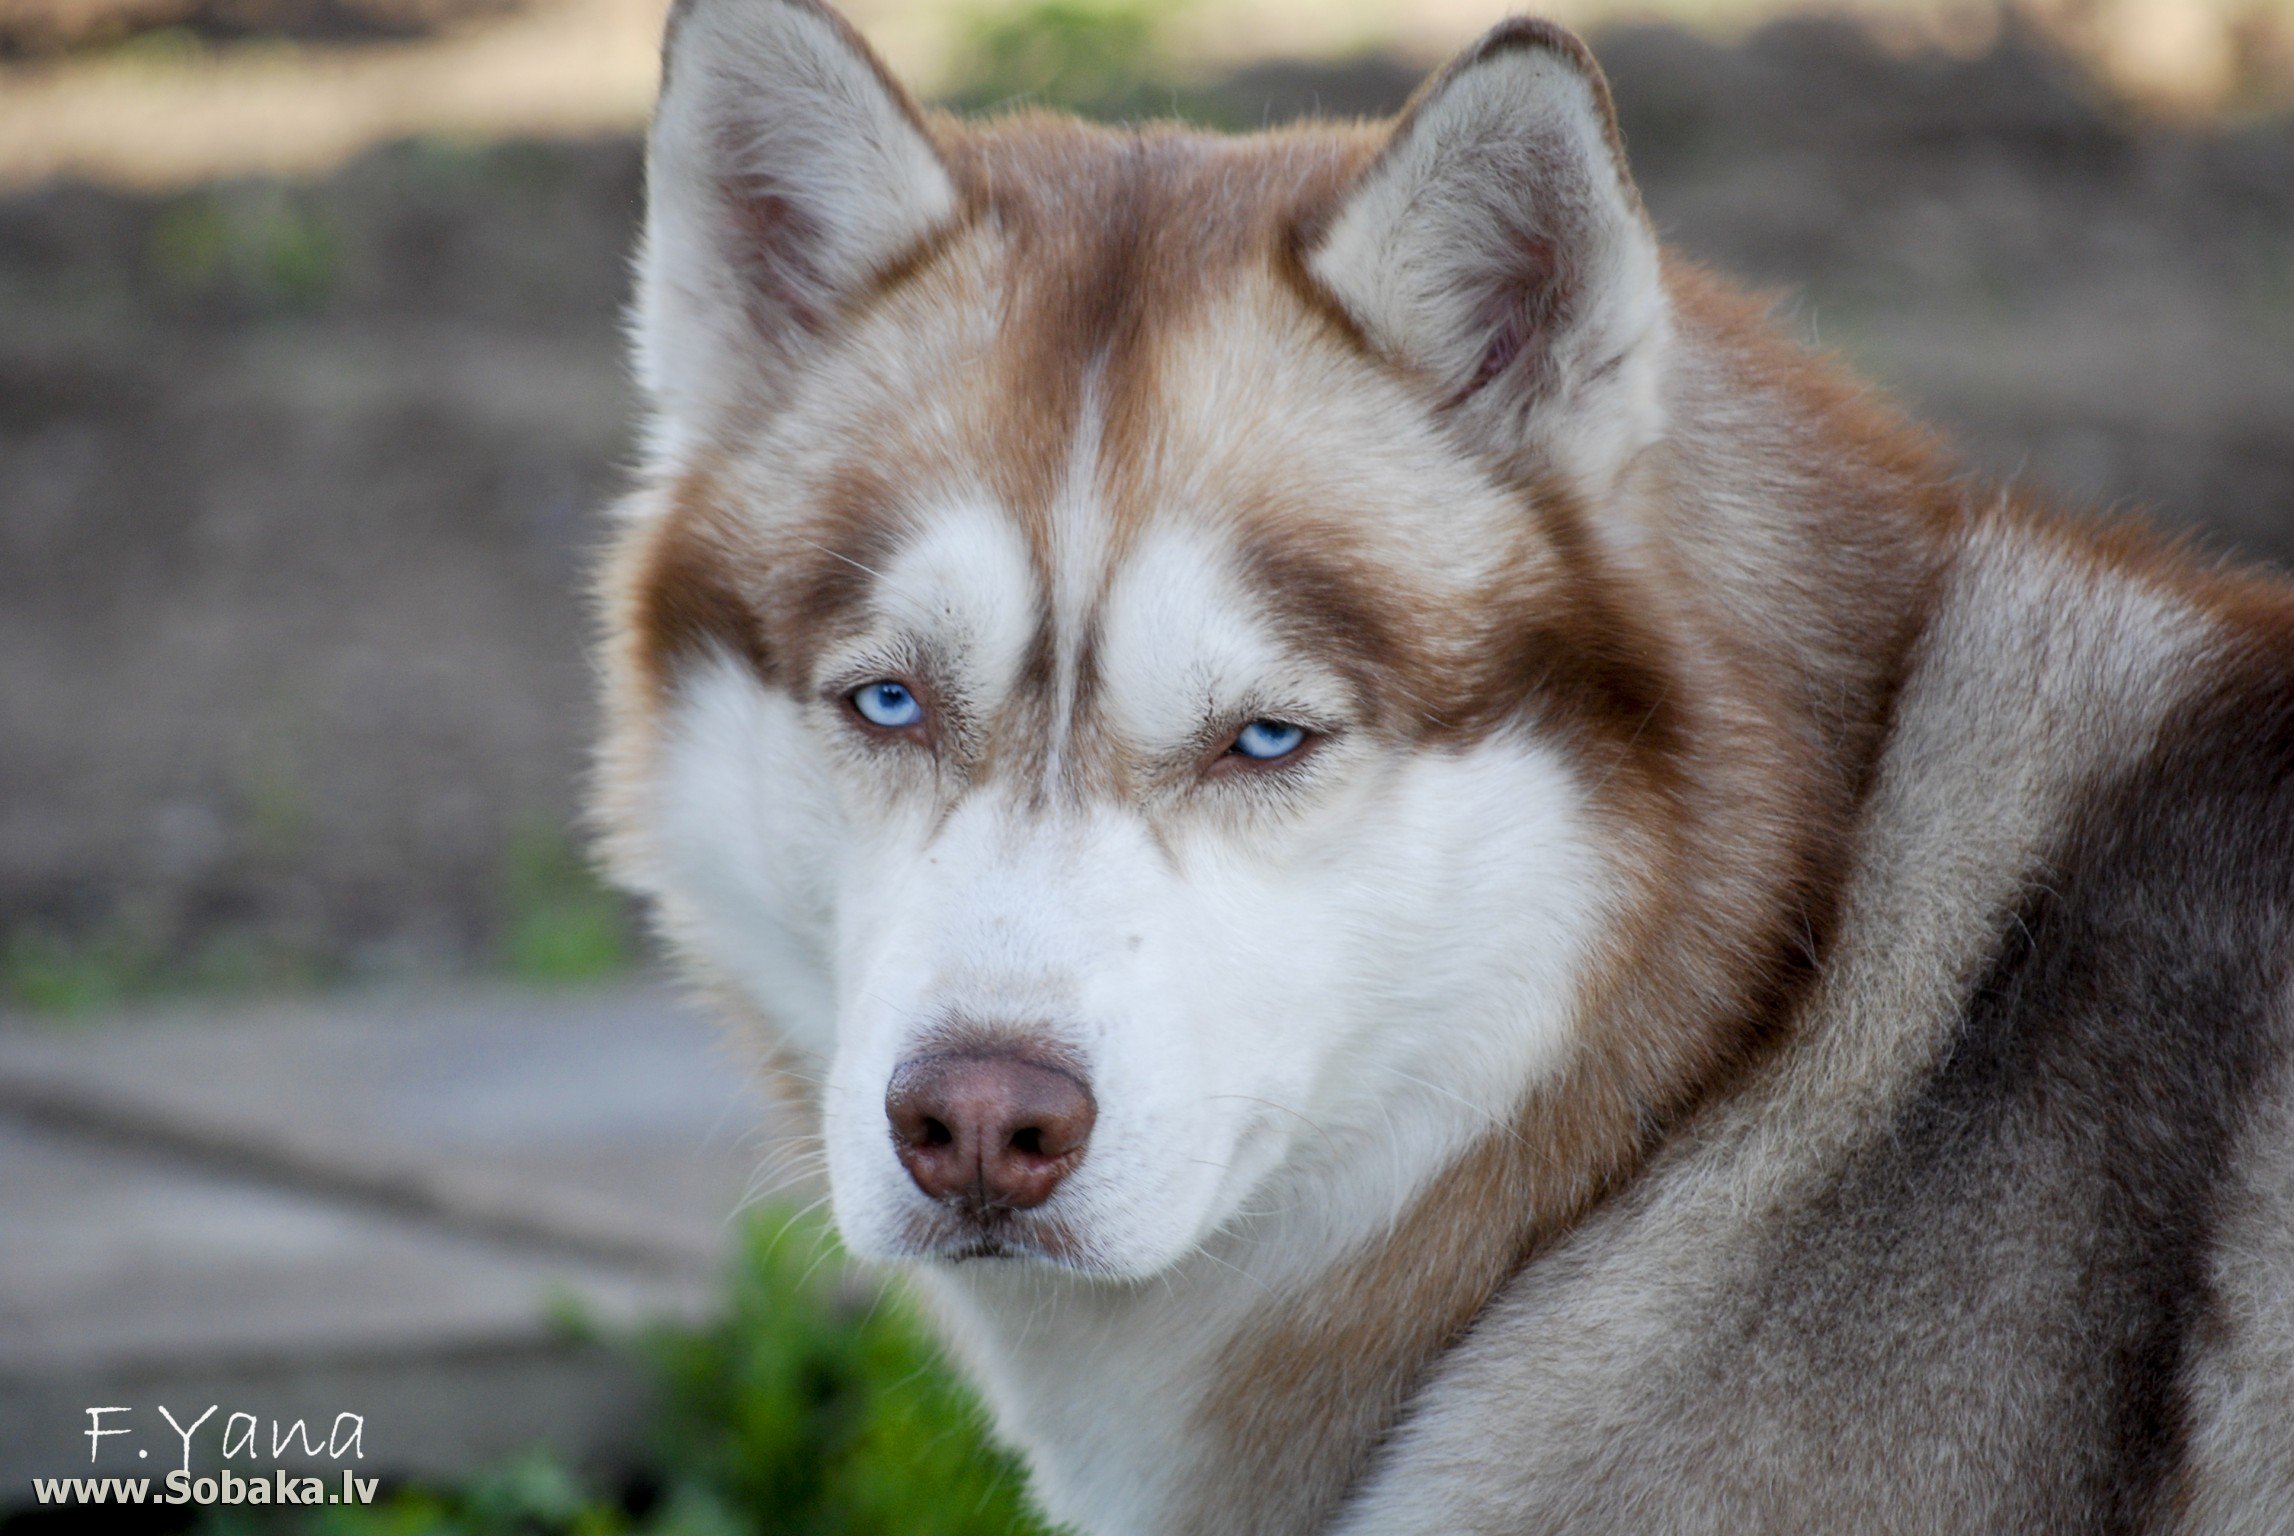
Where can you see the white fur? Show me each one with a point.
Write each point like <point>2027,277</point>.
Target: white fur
<point>1353,1020</point>
<point>1292,1015</point>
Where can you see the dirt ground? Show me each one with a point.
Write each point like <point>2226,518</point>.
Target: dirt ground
<point>298,482</point>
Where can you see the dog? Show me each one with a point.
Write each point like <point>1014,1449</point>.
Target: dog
<point>1426,879</point>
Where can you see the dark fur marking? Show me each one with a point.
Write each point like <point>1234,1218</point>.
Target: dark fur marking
<point>687,602</point>
<point>855,534</point>
<point>1323,607</point>
<point>2096,1089</point>
<point>1594,658</point>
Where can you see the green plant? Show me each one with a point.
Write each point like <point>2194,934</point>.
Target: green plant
<point>821,1408</point>
<point>1100,57</point>
<point>129,958</point>
<point>42,971</point>
<point>265,247</point>
<point>559,922</point>
<point>815,1407</point>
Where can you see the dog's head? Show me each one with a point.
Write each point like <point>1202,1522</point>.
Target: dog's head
<point>1113,658</point>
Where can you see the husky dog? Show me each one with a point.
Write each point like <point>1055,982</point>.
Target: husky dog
<point>1429,881</point>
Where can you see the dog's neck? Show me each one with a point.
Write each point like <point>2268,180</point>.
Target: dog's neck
<point>1239,1391</point>
<point>1245,1390</point>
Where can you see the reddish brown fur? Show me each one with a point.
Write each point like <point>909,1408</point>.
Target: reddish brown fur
<point>1700,987</point>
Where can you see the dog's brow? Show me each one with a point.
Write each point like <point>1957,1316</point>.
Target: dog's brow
<point>838,554</point>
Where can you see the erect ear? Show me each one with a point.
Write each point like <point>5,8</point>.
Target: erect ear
<point>1497,249</point>
<point>786,172</point>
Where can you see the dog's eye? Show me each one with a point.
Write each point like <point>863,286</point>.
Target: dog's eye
<point>887,705</point>
<point>1268,741</point>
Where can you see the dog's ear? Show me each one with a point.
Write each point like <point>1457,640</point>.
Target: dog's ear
<point>1496,248</point>
<point>786,171</point>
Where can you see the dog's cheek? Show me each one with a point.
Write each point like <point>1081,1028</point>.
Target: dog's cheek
<point>1161,1026</point>
<point>1413,967</point>
<point>1247,993</point>
<point>1485,883</point>
<point>887,951</point>
<point>750,846</point>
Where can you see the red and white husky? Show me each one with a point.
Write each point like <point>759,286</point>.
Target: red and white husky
<point>1429,881</point>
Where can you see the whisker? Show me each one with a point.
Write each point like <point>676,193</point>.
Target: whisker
<point>1286,1109</point>
<point>838,554</point>
<point>1493,1118</point>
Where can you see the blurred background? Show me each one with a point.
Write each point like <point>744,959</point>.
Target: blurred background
<point>311,395</point>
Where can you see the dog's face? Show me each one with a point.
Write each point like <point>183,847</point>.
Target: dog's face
<point>1109,665</point>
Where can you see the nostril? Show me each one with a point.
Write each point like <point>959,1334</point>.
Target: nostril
<point>992,1130</point>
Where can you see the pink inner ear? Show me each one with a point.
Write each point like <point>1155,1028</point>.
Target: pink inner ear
<point>1504,347</point>
<point>1520,310</point>
<point>771,240</point>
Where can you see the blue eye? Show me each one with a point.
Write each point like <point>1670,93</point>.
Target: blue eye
<point>889,705</point>
<point>1266,740</point>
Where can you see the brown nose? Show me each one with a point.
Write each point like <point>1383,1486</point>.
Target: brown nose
<point>990,1131</point>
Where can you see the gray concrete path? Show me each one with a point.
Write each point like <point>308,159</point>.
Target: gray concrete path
<point>391,1206</point>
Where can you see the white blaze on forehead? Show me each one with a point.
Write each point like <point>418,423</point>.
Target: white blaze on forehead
<point>966,587</point>
<point>1184,636</point>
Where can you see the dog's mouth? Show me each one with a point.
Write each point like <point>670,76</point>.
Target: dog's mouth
<point>983,1248</point>
<point>953,1235</point>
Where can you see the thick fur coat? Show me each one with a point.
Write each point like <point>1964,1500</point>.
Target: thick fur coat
<point>1625,949</point>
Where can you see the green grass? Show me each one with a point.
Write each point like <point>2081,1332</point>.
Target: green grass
<point>560,923</point>
<point>1103,58</point>
<point>260,247</point>
<point>814,1408</point>
<point>69,976</point>
<point>554,923</point>
<point>42,971</point>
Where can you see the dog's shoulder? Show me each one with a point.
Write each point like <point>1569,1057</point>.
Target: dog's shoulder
<point>1997,1240</point>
